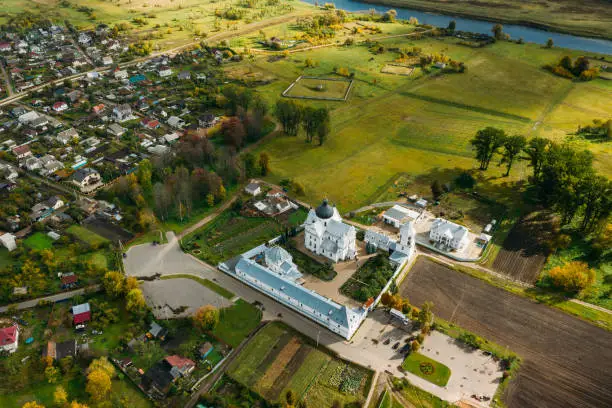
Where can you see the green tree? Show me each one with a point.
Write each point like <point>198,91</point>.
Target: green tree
<point>264,163</point>
<point>513,146</point>
<point>436,190</point>
<point>135,301</point>
<point>498,31</point>
<point>452,25</point>
<point>550,43</point>
<point>486,143</point>
<point>289,114</point>
<point>206,318</point>
<point>144,174</point>
<point>250,164</point>
<point>536,150</point>
<point>572,277</point>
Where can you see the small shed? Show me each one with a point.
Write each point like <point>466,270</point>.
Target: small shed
<point>205,350</point>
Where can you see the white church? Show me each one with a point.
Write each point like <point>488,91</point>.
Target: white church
<point>325,234</point>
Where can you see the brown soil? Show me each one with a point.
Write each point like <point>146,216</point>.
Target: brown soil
<point>525,249</point>
<point>277,368</point>
<point>291,368</point>
<point>566,361</point>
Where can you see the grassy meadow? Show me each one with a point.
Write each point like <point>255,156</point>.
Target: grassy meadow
<point>420,126</point>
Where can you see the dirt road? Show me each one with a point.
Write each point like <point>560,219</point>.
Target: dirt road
<point>566,361</point>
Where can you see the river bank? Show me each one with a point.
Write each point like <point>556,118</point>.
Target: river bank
<point>493,11</point>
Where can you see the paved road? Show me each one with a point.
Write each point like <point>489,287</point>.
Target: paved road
<point>53,298</point>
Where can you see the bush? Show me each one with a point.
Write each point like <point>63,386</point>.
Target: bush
<point>572,277</point>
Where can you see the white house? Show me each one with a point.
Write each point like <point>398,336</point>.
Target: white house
<point>122,113</point>
<point>279,261</point>
<point>7,240</point>
<point>176,122</point>
<point>9,338</point>
<point>340,319</point>
<point>253,189</point>
<point>121,74</point>
<point>399,215</point>
<point>60,106</point>
<point>405,248</point>
<point>107,60</point>
<point>448,234</point>
<point>325,234</point>
<point>50,164</point>
<point>87,179</point>
<point>116,130</point>
<point>32,163</point>
<point>67,136</point>
<point>164,72</point>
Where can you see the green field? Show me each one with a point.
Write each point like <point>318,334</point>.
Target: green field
<point>39,241</point>
<point>319,88</point>
<point>420,127</point>
<point>236,322</point>
<point>427,369</point>
<point>279,359</point>
<point>204,282</point>
<point>86,235</point>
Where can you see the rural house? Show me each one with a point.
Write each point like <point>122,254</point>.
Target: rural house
<point>399,215</point>
<point>81,314</point>
<point>253,189</point>
<point>7,240</point>
<point>9,339</point>
<point>448,234</point>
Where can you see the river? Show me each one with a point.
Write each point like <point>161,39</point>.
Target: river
<point>528,34</point>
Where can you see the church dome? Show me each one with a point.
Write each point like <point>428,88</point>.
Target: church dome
<point>324,211</point>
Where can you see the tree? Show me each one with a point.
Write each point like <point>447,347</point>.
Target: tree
<point>487,142</point>
<point>98,385</point>
<point>290,399</point>
<point>385,299</point>
<point>390,16</point>
<point>32,404</point>
<point>75,404</point>
<point>52,374</point>
<point>135,301</point>
<point>206,318</point>
<point>580,65</point>
<point>465,180</point>
<point>436,190</point>
<point>233,132</point>
<point>498,31</point>
<point>415,346</point>
<point>264,163</point>
<point>289,114</point>
<point>572,277</point>
<point>550,43</point>
<point>536,150</point>
<point>250,164</point>
<point>336,404</point>
<point>324,127</point>
<point>144,174</point>
<point>596,197</point>
<point>103,364</point>
<point>425,315</point>
<point>452,25</point>
<point>513,145</point>
<point>60,396</point>
<point>113,283</point>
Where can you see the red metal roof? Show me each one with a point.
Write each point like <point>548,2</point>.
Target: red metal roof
<point>8,335</point>
<point>68,279</point>
<point>81,317</point>
<point>179,362</point>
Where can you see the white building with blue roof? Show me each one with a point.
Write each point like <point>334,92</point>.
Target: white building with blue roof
<point>337,318</point>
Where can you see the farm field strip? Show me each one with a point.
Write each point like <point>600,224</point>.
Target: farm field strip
<point>566,361</point>
<point>272,371</point>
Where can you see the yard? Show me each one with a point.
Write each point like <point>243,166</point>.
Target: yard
<point>230,234</point>
<point>236,322</point>
<point>204,282</point>
<point>427,368</point>
<point>320,88</point>
<point>278,359</point>
<point>86,235</point>
<point>38,240</point>
<point>369,280</point>
<point>309,265</point>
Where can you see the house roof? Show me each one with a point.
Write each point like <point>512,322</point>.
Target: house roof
<point>81,174</point>
<point>205,348</point>
<point>68,279</point>
<point>82,308</point>
<point>8,335</point>
<point>324,210</point>
<point>179,362</point>
<point>400,213</point>
<point>327,308</point>
<point>158,376</point>
<point>252,187</point>
<point>21,149</point>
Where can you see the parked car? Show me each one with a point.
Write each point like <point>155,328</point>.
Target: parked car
<point>386,342</point>
<point>396,345</point>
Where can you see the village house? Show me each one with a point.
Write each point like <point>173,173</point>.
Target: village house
<point>87,179</point>
<point>184,75</point>
<point>7,240</point>
<point>163,374</point>
<point>175,122</point>
<point>122,113</point>
<point>31,163</point>
<point>50,164</point>
<point>120,74</point>
<point>69,280</point>
<point>60,106</point>
<point>9,339</point>
<point>81,314</point>
<point>399,215</point>
<point>150,123</point>
<point>21,152</point>
<point>253,189</point>
<point>207,120</point>
<point>164,71</point>
<point>325,234</point>
<point>67,136</point>
<point>448,234</point>
<point>107,60</point>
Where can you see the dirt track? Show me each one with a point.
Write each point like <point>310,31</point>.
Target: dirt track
<point>566,362</point>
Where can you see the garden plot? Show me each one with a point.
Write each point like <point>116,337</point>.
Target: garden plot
<point>330,89</point>
<point>278,360</point>
<point>397,70</point>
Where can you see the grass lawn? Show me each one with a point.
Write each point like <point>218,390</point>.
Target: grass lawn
<point>205,282</point>
<point>5,258</point>
<point>333,88</point>
<point>421,127</point>
<point>417,396</point>
<point>39,241</point>
<point>385,401</point>
<point>86,235</point>
<point>368,217</point>
<point>254,353</point>
<point>229,235</point>
<point>427,368</point>
<point>236,322</point>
